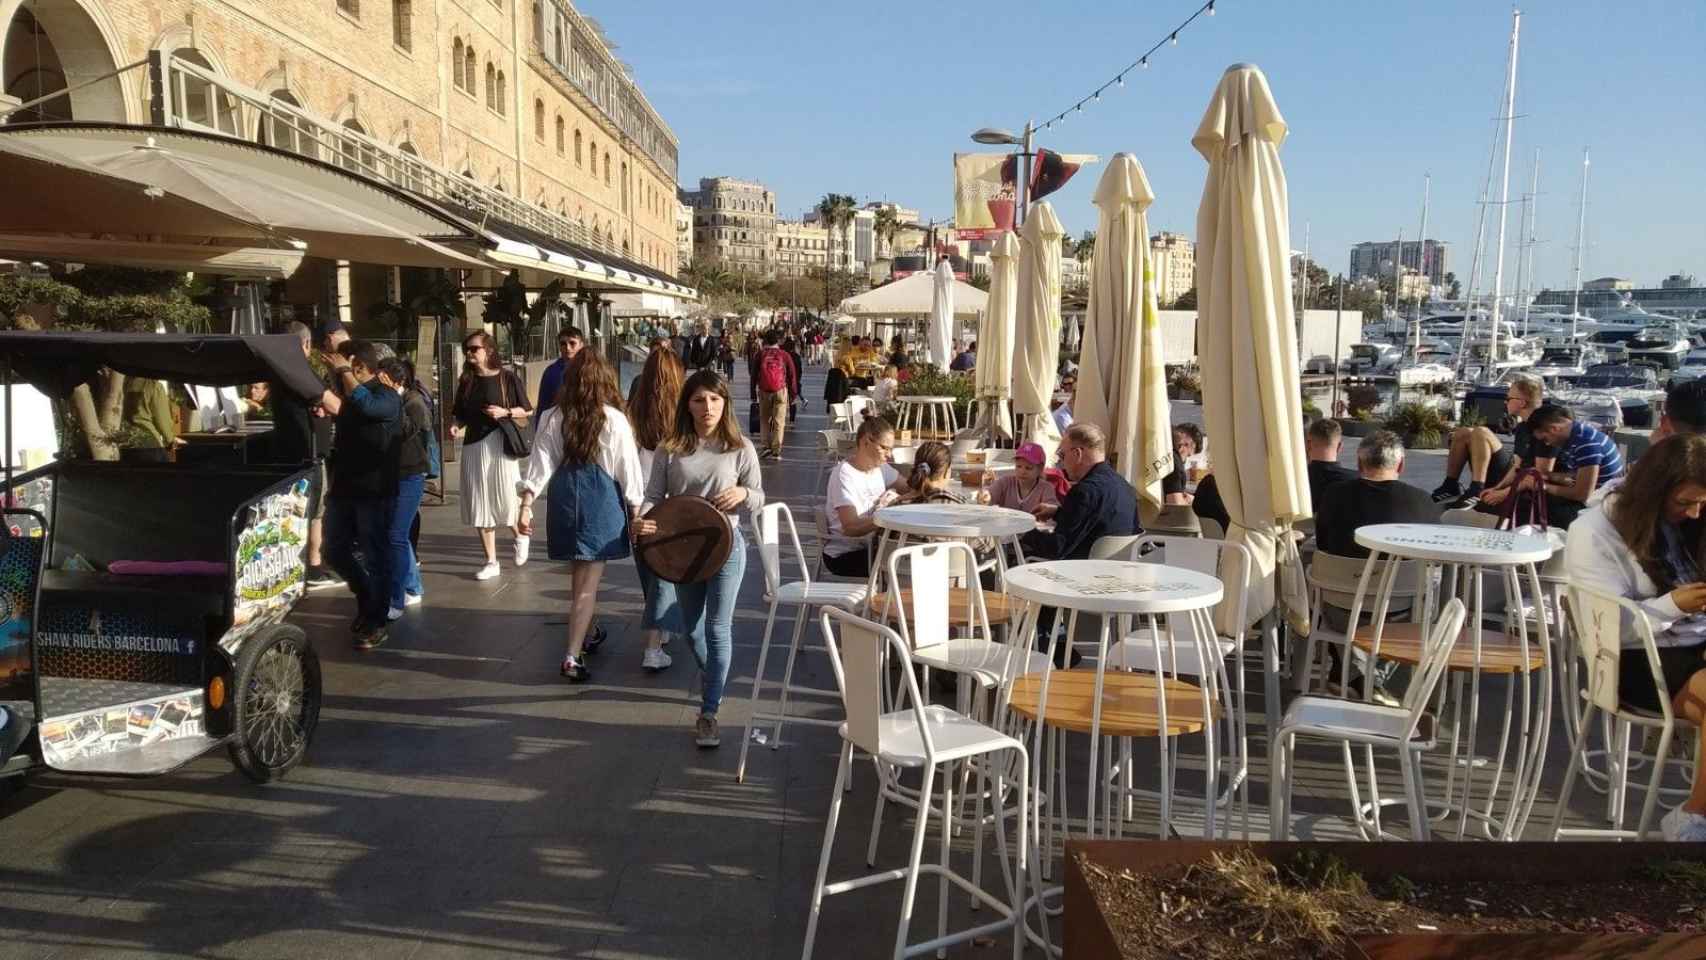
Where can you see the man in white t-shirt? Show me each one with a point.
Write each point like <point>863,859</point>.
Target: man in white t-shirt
<point>855,486</point>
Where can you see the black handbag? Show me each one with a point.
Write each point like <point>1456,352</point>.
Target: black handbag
<point>518,437</point>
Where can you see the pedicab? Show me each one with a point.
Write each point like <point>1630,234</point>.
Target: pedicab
<point>143,606</point>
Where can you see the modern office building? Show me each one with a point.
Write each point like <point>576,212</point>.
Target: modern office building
<point>1374,259</point>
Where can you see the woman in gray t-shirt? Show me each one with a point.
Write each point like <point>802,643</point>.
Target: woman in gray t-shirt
<point>706,456</point>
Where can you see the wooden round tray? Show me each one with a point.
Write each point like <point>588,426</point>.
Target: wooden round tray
<point>693,541</point>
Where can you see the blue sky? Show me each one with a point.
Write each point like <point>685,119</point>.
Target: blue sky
<point>874,99</point>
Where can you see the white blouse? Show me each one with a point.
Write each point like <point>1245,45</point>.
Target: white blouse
<point>618,455</point>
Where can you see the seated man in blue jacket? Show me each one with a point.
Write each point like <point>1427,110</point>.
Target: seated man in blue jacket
<point>1100,504</point>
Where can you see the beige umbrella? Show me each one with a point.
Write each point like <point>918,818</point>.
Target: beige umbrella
<point>1122,376</point>
<point>1247,340</point>
<point>1037,328</point>
<point>995,341</point>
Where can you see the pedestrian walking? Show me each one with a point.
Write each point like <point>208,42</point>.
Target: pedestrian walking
<point>706,456</point>
<point>570,342</point>
<point>585,461</point>
<point>726,359</point>
<point>414,463</point>
<point>791,347</point>
<point>777,377</point>
<point>364,465</point>
<point>652,402</point>
<point>486,394</point>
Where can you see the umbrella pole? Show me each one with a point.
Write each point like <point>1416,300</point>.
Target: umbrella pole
<point>1338,331</point>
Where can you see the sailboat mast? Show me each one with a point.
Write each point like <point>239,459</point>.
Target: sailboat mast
<point>1581,225</point>
<point>1422,264</point>
<point>1525,256</point>
<point>1504,190</point>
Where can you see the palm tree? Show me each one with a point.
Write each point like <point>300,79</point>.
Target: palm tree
<point>1085,248</point>
<point>835,210</point>
<point>887,225</point>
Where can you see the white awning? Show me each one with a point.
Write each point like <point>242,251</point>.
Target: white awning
<point>912,297</point>
<point>507,252</point>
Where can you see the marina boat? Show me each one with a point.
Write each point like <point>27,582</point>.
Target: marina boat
<point>1693,366</point>
<point>1425,375</point>
<point>1563,362</point>
<point>1663,346</point>
<point>1635,388</point>
<point>1486,360</point>
<point>1372,359</point>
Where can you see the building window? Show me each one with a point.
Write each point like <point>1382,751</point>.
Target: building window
<point>559,136</point>
<point>402,17</point>
<point>592,154</point>
<point>607,168</point>
<point>577,147</point>
<point>503,94</point>
<point>491,86</point>
<point>456,77</point>
<point>196,100</point>
<point>539,120</point>
<point>469,75</point>
<point>351,7</point>
<point>624,186</point>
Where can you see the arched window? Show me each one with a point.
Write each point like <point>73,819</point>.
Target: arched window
<point>559,136</point>
<point>503,94</point>
<point>458,79</point>
<point>195,100</point>
<point>607,168</point>
<point>577,146</point>
<point>539,120</point>
<point>470,71</point>
<point>624,186</point>
<point>280,127</point>
<point>402,23</point>
<point>592,153</point>
<point>356,154</point>
<point>491,86</point>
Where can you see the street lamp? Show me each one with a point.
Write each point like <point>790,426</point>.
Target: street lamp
<point>997,136</point>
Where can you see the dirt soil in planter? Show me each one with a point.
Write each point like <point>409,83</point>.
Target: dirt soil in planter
<point>1239,906</point>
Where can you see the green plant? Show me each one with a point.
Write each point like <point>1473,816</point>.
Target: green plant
<point>1471,416</point>
<point>927,381</point>
<point>1361,401</point>
<point>1421,422</point>
<point>1310,408</point>
<point>1186,380</point>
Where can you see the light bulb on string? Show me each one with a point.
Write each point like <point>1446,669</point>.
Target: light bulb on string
<point>1211,8</point>
<point>1097,95</point>
<point>1122,80</point>
<point>1144,63</point>
<point>1175,38</point>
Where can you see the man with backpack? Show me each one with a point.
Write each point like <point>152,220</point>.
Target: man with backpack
<point>778,379</point>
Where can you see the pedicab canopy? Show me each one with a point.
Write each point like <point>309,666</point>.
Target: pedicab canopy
<point>58,363</point>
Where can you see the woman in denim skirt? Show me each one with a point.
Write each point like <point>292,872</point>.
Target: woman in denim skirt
<point>585,460</point>
<point>706,456</point>
<point>651,409</point>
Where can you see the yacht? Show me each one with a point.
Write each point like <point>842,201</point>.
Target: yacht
<point>1372,359</point>
<point>1425,374</point>
<point>1693,366</point>
<point>1563,361</point>
<point>1486,360</point>
<point>1664,346</point>
<point>1635,388</point>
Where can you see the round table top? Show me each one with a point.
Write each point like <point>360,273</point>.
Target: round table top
<point>1445,543</point>
<point>917,399</point>
<point>1113,586</point>
<point>955,520</point>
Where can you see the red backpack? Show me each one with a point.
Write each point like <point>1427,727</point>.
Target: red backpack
<point>773,370</point>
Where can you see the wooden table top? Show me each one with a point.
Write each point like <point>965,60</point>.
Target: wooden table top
<point>999,606</point>
<point>1500,653</point>
<point>1129,702</point>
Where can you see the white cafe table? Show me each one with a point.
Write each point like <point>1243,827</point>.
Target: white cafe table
<point>1462,556</point>
<point>950,521</point>
<point>929,418</point>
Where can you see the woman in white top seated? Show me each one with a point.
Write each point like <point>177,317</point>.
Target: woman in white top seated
<point>855,486</point>
<point>1648,543</point>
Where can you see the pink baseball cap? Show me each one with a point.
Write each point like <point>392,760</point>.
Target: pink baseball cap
<point>1031,452</point>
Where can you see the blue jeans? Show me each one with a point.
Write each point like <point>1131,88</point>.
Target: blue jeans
<point>359,525</point>
<point>708,615</point>
<point>405,568</point>
<point>662,609</point>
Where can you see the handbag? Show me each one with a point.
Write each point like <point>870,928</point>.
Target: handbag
<point>517,437</point>
<point>1512,514</point>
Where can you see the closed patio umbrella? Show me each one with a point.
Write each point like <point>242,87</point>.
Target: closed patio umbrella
<point>995,341</point>
<point>1037,328</point>
<point>939,335</point>
<point>1246,336</point>
<point>1122,377</point>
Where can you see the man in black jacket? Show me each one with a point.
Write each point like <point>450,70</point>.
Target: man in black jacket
<point>1375,496</point>
<point>1323,440</point>
<point>364,487</point>
<point>701,348</point>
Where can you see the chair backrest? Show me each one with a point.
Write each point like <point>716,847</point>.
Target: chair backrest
<point>1600,620</point>
<point>1115,547</point>
<point>1470,518</point>
<point>838,412</point>
<point>932,568</point>
<point>1212,530</point>
<point>856,409</point>
<point>767,534</point>
<point>1436,656</point>
<point>831,441</point>
<point>1207,557</point>
<point>858,663</point>
<point>903,456</point>
<point>1174,519</point>
<point>1338,577</point>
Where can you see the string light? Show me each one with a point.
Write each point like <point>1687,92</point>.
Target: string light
<point>1141,63</point>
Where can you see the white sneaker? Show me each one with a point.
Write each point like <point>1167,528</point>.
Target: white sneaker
<point>521,546</point>
<point>413,599</point>
<point>1681,825</point>
<point>487,572</point>
<point>394,614</point>
<point>655,660</point>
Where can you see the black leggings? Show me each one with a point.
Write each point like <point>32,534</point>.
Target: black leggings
<point>854,563</point>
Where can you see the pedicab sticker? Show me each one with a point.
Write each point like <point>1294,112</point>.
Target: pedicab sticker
<point>127,726</point>
<point>270,562</point>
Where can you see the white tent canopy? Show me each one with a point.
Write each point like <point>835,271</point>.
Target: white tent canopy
<point>912,297</point>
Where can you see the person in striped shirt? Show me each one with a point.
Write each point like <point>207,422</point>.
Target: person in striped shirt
<point>1587,460</point>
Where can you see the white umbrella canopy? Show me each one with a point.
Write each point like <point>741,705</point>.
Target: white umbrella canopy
<point>1122,375</point>
<point>995,341</point>
<point>1247,340</point>
<point>1037,327</point>
<point>939,334</point>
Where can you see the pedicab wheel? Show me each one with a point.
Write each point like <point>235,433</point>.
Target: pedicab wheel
<point>276,703</point>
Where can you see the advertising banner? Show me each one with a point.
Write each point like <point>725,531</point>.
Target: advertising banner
<point>984,194</point>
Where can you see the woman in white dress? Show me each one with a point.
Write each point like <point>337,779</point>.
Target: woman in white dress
<point>485,394</point>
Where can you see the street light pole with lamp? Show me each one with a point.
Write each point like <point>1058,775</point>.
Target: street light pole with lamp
<point>995,136</point>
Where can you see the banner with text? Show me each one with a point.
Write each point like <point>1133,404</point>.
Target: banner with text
<point>984,194</point>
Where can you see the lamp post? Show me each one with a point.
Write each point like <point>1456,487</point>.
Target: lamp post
<point>995,136</point>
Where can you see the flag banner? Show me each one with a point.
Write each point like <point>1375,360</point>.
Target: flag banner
<point>983,194</point>
<point>1052,170</point>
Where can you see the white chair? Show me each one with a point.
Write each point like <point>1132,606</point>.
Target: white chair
<point>1179,653</point>
<point>838,415</point>
<point>930,738</point>
<point>903,456</point>
<point>856,410</point>
<point>1600,620</point>
<point>1371,725</point>
<point>1333,583</point>
<point>829,454</point>
<point>804,596</point>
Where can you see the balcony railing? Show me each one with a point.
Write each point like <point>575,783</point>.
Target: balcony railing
<point>194,97</point>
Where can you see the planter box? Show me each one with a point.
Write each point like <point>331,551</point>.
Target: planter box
<point>1353,427</point>
<point>1087,934</point>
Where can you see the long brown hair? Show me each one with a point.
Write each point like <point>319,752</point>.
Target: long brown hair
<point>929,463</point>
<point>470,370</point>
<point>654,396</point>
<point>589,385</point>
<point>1638,509</point>
<point>685,439</point>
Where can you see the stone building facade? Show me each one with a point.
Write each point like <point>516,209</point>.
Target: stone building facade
<point>521,95</point>
<point>1175,259</point>
<point>734,224</point>
<point>800,248</point>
